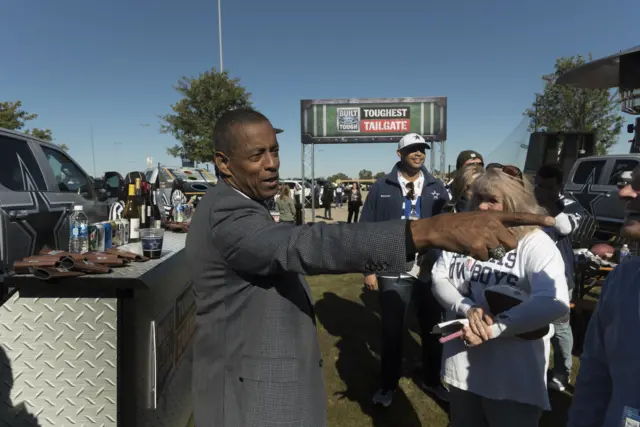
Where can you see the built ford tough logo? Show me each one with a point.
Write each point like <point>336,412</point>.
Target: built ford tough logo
<point>395,120</point>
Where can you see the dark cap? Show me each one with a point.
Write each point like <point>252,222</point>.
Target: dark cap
<point>467,155</point>
<point>278,130</point>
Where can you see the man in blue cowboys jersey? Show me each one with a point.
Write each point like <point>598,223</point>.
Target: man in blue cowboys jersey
<point>568,215</point>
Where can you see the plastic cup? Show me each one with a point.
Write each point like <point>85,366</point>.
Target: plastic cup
<point>151,240</point>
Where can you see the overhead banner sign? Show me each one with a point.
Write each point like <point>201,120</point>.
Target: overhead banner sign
<point>331,121</point>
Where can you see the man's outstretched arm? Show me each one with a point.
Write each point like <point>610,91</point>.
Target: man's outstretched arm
<point>250,242</point>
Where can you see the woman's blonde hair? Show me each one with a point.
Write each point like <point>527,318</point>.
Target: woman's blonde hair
<point>516,195</point>
<point>464,179</point>
<point>285,192</point>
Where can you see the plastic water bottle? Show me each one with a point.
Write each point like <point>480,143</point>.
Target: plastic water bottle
<point>79,231</point>
<point>625,255</point>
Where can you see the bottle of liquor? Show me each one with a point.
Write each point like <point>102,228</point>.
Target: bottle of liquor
<point>133,213</point>
<point>143,204</point>
<point>156,218</point>
<point>149,204</point>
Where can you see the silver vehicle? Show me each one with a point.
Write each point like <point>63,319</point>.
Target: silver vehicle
<point>39,185</point>
<point>594,181</point>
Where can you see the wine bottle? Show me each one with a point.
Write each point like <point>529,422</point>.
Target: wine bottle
<point>156,218</point>
<point>143,204</point>
<point>132,212</point>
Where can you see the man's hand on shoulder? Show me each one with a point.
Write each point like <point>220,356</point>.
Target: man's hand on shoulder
<point>472,233</point>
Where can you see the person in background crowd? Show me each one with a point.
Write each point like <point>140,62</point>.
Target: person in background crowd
<point>317,193</point>
<point>497,379</point>
<point>354,202</point>
<point>467,157</point>
<point>285,205</point>
<point>256,358</point>
<point>339,194</point>
<point>327,200</point>
<point>409,191</point>
<point>461,188</point>
<point>606,392</point>
<point>568,215</point>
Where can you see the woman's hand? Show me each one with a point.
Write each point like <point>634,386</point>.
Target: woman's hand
<point>470,339</point>
<point>479,323</point>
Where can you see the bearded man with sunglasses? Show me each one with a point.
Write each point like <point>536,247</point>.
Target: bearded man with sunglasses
<point>410,192</point>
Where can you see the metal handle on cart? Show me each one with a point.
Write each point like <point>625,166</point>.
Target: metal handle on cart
<point>153,380</point>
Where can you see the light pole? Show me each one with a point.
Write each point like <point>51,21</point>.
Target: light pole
<point>220,32</point>
<point>93,151</point>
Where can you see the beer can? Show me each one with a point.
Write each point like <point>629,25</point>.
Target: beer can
<point>94,237</point>
<point>107,234</point>
<point>100,233</point>
<point>125,226</point>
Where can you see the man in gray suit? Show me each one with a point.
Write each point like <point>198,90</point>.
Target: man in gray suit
<point>257,361</point>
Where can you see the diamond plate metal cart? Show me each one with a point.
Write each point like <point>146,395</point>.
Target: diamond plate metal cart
<point>104,350</point>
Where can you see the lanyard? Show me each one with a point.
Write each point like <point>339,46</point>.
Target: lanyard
<point>411,207</point>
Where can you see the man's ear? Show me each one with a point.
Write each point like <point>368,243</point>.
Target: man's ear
<point>222,163</point>
<point>399,154</point>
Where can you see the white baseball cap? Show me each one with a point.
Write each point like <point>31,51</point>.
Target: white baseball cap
<point>412,139</point>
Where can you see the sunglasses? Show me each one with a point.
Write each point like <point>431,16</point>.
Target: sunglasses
<point>480,163</point>
<point>510,170</point>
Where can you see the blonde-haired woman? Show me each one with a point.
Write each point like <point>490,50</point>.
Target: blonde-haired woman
<point>498,379</point>
<point>461,187</point>
<point>285,205</point>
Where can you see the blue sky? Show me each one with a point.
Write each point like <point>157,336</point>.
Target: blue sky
<point>112,65</point>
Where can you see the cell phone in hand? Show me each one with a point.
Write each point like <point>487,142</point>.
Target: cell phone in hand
<point>449,327</point>
<point>450,330</point>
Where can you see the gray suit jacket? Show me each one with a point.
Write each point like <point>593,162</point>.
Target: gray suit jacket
<point>257,361</point>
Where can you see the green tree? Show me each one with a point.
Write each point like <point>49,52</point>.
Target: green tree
<point>204,99</point>
<point>365,174</point>
<point>379,175</point>
<point>339,176</point>
<point>561,108</point>
<point>13,117</point>
<point>44,134</point>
